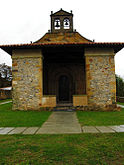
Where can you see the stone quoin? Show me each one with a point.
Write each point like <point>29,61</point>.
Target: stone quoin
<point>63,67</point>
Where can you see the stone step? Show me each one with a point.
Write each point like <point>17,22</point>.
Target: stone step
<point>64,105</point>
<point>64,108</point>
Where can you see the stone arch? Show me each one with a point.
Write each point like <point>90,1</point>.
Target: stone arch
<point>66,23</point>
<point>57,23</point>
<point>55,73</point>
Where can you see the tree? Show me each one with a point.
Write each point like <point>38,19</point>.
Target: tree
<point>5,75</point>
<point>119,86</point>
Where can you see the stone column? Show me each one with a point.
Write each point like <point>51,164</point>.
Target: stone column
<point>100,76</point>
<point>27,70</point>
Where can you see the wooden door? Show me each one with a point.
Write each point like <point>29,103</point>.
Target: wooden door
<point>64,85</point>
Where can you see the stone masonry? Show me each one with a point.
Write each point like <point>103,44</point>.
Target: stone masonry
<point>27,79</point>
<point>100,76</point>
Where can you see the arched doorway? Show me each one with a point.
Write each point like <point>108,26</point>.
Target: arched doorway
<point>64,89</point>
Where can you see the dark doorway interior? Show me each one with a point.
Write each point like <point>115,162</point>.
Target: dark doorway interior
<point>64,73</point>
<point>64,88</point>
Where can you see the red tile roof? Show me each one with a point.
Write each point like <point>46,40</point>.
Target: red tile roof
<point>117,46</point>
<point>73,43</point>
<point>59,37</point>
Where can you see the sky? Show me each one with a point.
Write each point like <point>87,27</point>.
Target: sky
<point>22,21</point>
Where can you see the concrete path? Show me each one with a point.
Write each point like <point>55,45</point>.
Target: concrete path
<point>102,129</point>
<point>61,123</point>
<point>45,129</point>
<point>5,102</point>
<point>122,106</point>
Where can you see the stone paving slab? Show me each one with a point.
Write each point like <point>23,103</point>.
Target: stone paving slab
<point>17,130</point>
<point>61,129</point>
<point>31,130</point>
<point>117,128</point>
<point>6,130</point>
<point>122,106</point>
<point>89,129</point>
<point>5,102</point>
<point>57,131</point>
<point>61,123</point>
<point>105,129</point>
<point>122,126</point>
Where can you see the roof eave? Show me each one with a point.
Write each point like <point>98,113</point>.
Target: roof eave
<point>116,46</point>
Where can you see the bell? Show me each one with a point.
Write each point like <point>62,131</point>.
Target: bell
<point>57,24</point>
<point>66,22</point>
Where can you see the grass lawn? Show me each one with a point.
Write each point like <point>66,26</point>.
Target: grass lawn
<point>2,101</point>
<point>77,149</point>
<point>101,118</point>
<point>83,149</point>
<point>9,118</point>
<point>120,103</point>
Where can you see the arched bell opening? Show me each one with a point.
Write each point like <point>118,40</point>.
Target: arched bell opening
<point>57,23</point>
<point>66,23</point>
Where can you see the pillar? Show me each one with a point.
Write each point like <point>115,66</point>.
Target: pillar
<point>100,76</point>
<point>27,71</point>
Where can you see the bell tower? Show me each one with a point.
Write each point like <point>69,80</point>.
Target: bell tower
<point>61,21</point>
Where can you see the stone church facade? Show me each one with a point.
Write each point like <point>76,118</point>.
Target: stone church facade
<point>63,68</point>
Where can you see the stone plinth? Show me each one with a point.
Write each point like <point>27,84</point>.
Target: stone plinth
<point>79,100</point>
<point>49,101</point>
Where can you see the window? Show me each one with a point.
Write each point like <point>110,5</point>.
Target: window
<point>57,24</point>
<point>66,23</point>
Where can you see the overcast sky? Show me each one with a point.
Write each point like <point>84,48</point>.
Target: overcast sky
<point>22,21</point>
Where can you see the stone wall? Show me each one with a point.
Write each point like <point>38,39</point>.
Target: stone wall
<point>27,79</point>
<point>79,100</point>
<point>49,101</point>
<point>100,76</point>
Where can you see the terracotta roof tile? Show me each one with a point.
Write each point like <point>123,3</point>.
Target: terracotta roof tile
<point>117,46</point>
<point>71,43</point>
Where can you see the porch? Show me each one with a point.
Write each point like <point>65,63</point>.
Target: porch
<point>64,77</point>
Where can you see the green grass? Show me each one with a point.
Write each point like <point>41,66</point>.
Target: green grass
<point>83,149</point>
<point>79,149</point>
<point>2,101</point>
<point>100,118</point>
<point>120,103</point>
<point>9,118</point>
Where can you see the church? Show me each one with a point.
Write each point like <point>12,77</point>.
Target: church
<point>63,68</point>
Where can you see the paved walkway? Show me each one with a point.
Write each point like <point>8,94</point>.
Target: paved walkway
<point>61,123</point>
<point>5,102</point>
<point>122,106</point>
<point>60,130</point>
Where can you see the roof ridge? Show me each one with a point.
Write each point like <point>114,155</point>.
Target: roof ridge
<point>60,11</point>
